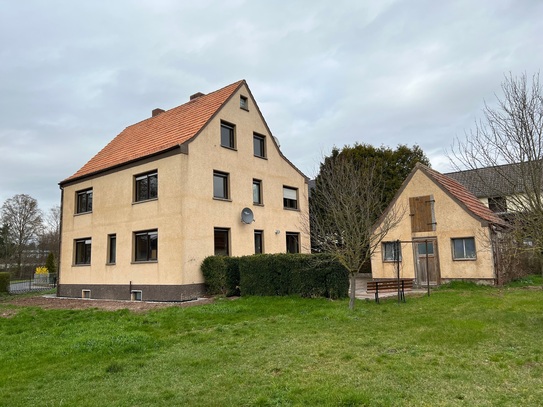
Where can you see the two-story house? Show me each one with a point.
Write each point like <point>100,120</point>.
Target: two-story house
<point>204,178</point>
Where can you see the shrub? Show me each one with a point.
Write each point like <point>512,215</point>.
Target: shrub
<point>289,274</point>
<point>50,263</point>
<point>221,275</point>
<point>4,282</point>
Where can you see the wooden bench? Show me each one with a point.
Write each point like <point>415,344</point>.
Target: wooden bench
<point>392,285</point>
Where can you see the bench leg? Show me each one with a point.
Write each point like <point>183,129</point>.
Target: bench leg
<point>377,293</point>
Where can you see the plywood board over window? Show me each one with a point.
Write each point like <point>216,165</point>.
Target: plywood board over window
<point>421,211</point>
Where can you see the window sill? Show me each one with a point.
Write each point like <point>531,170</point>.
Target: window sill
<point>391,261</point>
<point>292,209</point>
<point>258,204</point>
<point>229,148</point>
<point>81,265</point>
<point>470,259</point>
<point>145,262</point>
<point>221,199</point>
<point>82,213</point>
<point>111,264</point>
<point>244,108</point>
<point>144,201</point>
<point>261,157</point>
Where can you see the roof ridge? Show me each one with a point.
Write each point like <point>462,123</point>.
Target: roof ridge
<point>160,133</point>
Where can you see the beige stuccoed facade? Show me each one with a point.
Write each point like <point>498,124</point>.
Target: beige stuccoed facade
<point>451,221</point>
<point>184,214</point>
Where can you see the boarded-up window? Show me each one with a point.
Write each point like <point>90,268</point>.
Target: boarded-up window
<point>421,211</point>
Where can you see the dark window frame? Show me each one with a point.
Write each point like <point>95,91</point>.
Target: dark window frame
<point>464,256</point>
<point>290,203</point>
<point>228,140</point>
<point>224,178</point>
<point>259,141</point>
<point>257,183</point>
<point>149,244</point>
<point>259,241</point>
<point>221,235</point>
<point>112,248</point>
<point>292,241</point>
<point>497,204</point>
<point>143,189</point>
<point>84,201</point>
<point>83,251</point>
<point>244,102</point>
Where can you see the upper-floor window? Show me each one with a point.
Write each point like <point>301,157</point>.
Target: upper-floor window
<point>243,102</point>
<point>146,186</point>
<point>228,135</point>
<point>259,146</point>
<point>83,251</point>
<point>392,251</point>
<point>146,246</point>
<point>84,201</point>
<point>220,185</point>
<point>497,204</point>
<point>464,248</point>
<point>257,192</point>
<point>290,198</point>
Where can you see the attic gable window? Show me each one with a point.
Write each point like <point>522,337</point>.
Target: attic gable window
<point>146,186</point>
<point>84,201</point>
<point>259,145</point>
<point>243,103</point>
<point>421,211</point>
<point>228,135</point>
<point>497,204</point>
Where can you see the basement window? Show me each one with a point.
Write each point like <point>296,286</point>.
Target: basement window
<point>135,295</point>
<point>86,294</point>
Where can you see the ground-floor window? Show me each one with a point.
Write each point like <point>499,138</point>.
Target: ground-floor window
<point>222,244</point>
<point>392,251</point>
<point>464,248</point>
<point>293,242</point>
<point>83,251</point>
<point>111,249</point>
<point>146,245</point>
<point>259,242</point>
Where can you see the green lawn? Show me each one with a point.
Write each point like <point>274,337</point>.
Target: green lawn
<point>460,347</point>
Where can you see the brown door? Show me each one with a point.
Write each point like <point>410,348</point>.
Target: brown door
<point>426,261</point>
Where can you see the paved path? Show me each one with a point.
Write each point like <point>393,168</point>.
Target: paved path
<point>361,293</point>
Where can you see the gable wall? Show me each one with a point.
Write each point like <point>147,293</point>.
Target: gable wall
<point>452,222</point>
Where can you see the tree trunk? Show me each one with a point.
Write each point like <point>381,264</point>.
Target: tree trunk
<point>353,291</point>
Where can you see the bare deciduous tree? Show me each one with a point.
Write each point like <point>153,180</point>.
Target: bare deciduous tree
<point>346,202</point>
<point>509,140</point>
<point>24,220</point>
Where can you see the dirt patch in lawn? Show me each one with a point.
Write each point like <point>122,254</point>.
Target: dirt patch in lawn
<point>50,302</point>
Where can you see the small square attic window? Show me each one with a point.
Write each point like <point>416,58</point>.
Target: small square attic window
<point>243,103</point>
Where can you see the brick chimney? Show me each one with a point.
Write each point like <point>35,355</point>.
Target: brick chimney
<point>196,95</point>
<point>157,111</point>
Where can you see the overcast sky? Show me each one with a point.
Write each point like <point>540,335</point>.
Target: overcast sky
<point>74,74</point>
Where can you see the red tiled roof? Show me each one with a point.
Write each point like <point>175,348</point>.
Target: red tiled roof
<point>157,134</point>
<point>465,197</point>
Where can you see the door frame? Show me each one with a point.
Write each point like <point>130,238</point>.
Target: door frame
<point>416,241</point>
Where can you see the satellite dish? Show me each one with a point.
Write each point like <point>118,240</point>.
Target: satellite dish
<point>277,141</point>
<point>247,216</point>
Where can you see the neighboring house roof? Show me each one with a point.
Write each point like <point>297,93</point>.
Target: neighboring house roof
<point>158,134</point>
<point>461,194</point>
<point>501,180</point>
<point>455,190</point>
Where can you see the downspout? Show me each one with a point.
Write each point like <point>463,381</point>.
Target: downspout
<point>495,254</point>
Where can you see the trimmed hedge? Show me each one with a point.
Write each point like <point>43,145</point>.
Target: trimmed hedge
<point>4,282</point>
<point>276,274</point>
<point>221,275</point>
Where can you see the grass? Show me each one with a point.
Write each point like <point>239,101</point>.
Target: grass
<point>459,347</point>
